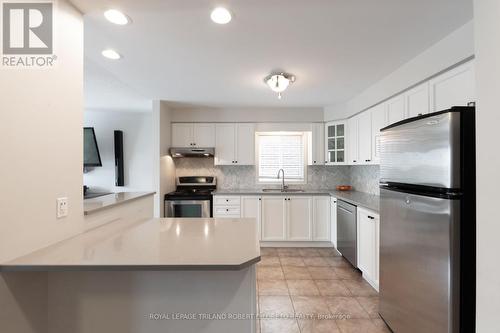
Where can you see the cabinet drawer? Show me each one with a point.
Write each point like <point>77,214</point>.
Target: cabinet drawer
<point>226,211</point>
<point>227,200</point>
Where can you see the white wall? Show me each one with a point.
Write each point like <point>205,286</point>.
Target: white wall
<point>41,118</point>
<point>41,145</point>
<point>207,114</point>
<point>137,130</point>
<point>487,32</point>
<point>453,49</point>
<point>164,168</point>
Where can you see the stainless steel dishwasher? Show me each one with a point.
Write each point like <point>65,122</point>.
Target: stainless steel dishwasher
<point>347,231</point>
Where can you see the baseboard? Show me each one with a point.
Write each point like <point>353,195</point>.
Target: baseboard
<point>295,244</point>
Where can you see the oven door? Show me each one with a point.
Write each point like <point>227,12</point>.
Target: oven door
<point>187,208</point>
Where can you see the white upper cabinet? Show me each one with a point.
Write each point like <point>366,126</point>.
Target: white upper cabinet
<point>455,87</point>
<point>335,142</point>
<point>245,144</point>
<point>396,109</point>
<point>193,135</point>
<point>418,100</point>
<point>321,218</point>
<point>352,130</point>
<point>379,121</point>
<point>182,135</point>
<point>299,217</point>
<point>317,144</point>
<point>365,137</point>
<point>235,144</point>
<point>204,135</point>
<point>225,144</point>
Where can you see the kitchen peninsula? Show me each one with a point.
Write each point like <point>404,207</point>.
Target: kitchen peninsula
<point>137,274</point>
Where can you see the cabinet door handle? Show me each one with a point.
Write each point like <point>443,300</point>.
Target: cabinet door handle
<point>227,210</point>
<point>371,217</point>
<point>227,200</point>
<point>367,160</point>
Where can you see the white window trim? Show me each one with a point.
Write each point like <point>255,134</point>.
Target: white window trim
<point>278,181</point>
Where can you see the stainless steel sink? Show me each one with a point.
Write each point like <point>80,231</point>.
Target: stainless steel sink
<point>288,190</point>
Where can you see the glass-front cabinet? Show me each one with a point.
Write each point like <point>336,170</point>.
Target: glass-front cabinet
<point>335,136</point>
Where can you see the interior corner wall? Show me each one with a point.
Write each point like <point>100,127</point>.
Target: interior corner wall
<point>163,165</point>
<point>487,28</point>
<point>451,50</point>
<point>137,150</point>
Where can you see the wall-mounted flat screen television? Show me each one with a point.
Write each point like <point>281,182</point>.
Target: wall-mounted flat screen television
<point>91,156</point>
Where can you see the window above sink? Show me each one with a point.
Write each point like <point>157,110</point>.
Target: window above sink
<point>281,150</point>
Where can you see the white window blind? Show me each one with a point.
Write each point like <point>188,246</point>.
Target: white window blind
<point>281,151</point>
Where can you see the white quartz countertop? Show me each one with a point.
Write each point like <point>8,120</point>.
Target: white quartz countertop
<point>366,200</point>
<point>150,245</point>
<point>106,201</point>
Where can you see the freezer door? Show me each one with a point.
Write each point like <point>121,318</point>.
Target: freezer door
<point>419,273</point>
<point>425,152</point>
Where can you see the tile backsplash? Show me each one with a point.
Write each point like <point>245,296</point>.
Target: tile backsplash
<point>363,178</point>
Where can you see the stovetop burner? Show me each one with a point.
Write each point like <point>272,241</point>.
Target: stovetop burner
<point>193,188</point>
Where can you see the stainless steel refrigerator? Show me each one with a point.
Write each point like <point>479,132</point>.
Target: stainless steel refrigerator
<point>427,228</point>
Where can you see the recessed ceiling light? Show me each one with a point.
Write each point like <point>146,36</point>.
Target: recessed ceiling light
<point>220,15</point>
<point>116,17</point>
<point>111,54</point>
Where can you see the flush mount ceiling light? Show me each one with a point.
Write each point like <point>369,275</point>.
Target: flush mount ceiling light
<point>117,17</point>
<point>111,54</point>
<point>278,82</point>
<point>221,15</point>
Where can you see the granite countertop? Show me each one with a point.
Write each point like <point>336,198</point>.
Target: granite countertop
<point>365,200</point>
<point>369,201</point>
<point>151,245</point>
<point>99,203</point>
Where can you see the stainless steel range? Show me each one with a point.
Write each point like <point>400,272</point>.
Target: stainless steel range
<point>192,197</point>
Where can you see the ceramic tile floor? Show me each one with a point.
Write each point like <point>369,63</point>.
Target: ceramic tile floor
<point>313,290</point>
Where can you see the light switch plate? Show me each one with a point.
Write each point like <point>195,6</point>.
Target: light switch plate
<point>62,207</point>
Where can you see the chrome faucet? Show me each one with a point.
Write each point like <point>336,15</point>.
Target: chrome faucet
<point>283,186</point>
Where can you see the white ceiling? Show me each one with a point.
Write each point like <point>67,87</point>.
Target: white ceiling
<point>336,48</point>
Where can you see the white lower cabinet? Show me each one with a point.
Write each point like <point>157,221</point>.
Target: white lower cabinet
<point>273,218</point>
<point>368,245</point>
<point>226,206</point>
<point>321,218</point>
<point>333,221</point>
<point>250,208</point>
<point>299,217</point>
<point>280,217</point>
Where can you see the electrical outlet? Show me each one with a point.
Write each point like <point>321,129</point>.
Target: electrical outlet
<point>62,207</point>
